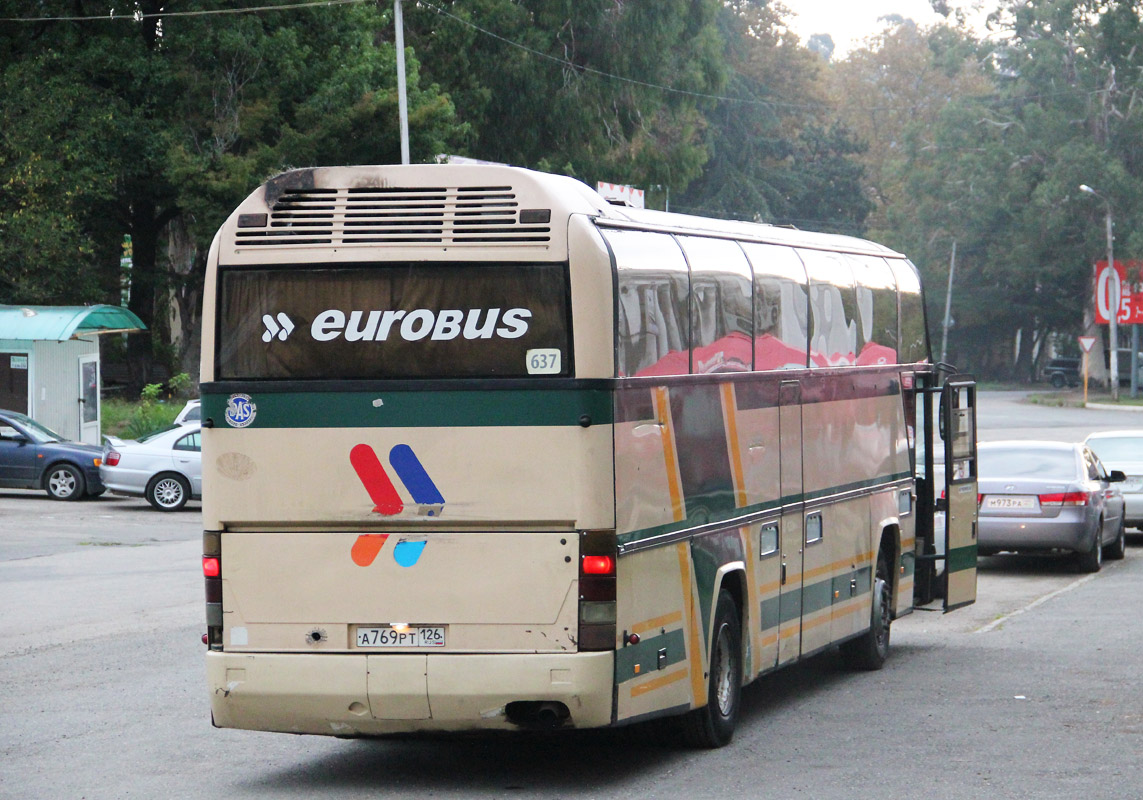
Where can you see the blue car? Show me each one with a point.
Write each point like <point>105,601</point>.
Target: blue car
<point>35,457</point>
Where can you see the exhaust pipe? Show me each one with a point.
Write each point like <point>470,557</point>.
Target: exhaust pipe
<point>537,714</point>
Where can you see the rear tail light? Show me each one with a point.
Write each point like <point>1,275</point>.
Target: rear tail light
<point>1065,499</point>
<point>598,556</point>
<point>212,576</point>
<point>112,459</point>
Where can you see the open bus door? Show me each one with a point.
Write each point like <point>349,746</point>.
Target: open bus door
<point>958,429</point>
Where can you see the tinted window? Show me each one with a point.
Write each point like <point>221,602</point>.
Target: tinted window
<point>1116,450</point>
<point>914,339</point>
<point>391,320</point>
<point>876,310</point>
<point>781,307</point>
<point>1057,465</point>
<point>722,320</point>
<point>190,442</point>
<point>833,306</point>
<point>654,288</point>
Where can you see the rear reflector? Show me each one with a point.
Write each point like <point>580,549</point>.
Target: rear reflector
<point>1064,499</point>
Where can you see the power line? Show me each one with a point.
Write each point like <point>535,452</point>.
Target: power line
<point>136,17</point>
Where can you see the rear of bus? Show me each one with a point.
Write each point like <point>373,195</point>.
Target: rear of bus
<point>408,494</point>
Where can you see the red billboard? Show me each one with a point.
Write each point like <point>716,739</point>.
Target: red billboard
<point>1130,277</point>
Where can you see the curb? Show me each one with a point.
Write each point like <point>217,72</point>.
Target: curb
<point>1109,407</point>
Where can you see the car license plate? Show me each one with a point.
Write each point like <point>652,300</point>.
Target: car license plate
<point>428,636</point>
<point>1010,502</point>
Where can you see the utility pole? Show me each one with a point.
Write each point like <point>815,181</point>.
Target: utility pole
<point>1113,298</point>
<point>948,306</point>
<point>402,101</point>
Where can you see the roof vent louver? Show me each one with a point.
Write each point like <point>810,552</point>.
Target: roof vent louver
<point>439,217</point>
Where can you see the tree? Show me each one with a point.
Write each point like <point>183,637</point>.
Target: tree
<point>601,90</point>
<point>158,126</point>
<point>776,154</point>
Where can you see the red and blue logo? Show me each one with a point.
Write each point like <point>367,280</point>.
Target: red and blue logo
<point>387,501</point>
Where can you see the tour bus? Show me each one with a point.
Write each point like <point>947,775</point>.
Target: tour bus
<point>482,450</point>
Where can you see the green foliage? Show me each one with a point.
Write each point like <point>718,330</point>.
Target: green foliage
<point>156,409</point>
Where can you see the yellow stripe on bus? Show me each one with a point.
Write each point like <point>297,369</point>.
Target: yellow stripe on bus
<point>843,565</point>
<point>658,622</point>
<point>674,479</point>
<point>659,683</point>
<point>730,415</point>
<point>698,684</point>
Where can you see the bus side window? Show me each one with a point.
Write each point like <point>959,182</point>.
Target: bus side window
<point>876,310</point>
<point>722,317</point>
<point>833,302</point>
<point>654,290</point>
<point>914,338</point>
<point>813,528</point>
<point>781,307</point>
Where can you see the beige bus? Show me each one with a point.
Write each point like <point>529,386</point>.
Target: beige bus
<point>484,451</point>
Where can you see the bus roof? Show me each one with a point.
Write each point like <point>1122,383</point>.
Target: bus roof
<point>301,207</point>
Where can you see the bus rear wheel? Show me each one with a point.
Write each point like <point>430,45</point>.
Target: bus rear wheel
<point>713,725</point>
<point>870,650</point>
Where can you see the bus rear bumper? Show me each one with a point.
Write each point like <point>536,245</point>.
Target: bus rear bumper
<point>367,695</point>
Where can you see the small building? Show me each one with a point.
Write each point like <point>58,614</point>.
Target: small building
<point>49,363</point>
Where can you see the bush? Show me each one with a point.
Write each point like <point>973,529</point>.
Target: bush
<point>131,420</point>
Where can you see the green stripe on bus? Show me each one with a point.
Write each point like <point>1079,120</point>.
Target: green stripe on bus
<point>730,516</point>
<point>646,655</point>
<point>961,558</point>
<point>421,409</point>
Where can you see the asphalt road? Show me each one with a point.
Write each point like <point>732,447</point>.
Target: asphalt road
<point>1031,693</point>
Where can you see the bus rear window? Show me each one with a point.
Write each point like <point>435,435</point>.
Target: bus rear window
<point>393,320</point>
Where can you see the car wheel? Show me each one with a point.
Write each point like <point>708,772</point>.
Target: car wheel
<point>870,650</point>
<point>1058,380</point>
<point>168,492</point>
<point>713,724</point>
<point>1117,549</point>
<point>1092,560</point>
<point>64,482</point>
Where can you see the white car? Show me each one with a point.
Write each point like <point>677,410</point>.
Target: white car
<point>191,413</point>
<point>165,467</point>
<point>1123,450</point>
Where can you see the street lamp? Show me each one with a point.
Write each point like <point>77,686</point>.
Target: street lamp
<point>1113,300</point>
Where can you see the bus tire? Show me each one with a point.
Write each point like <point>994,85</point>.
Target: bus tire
<point>713,725</point>
<point>870,650</point>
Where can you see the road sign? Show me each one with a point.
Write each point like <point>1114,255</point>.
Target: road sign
<point>1129,274</point>
<point>1086,342</point>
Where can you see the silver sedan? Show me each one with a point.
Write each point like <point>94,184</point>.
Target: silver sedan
<point>165,467</point>
<point>1038,497</point>
<point>1123,450</point>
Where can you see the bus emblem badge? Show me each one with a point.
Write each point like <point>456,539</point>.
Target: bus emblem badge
<point>410,472</point>
<point>240,410</point>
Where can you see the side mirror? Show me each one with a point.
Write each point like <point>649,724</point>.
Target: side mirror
<point>1117,476</point>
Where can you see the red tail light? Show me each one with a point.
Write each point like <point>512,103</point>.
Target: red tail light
<point>211,567</point>
<point>598,565</point>
<point>597,583</point>
<point>112,459</point>
<point>1065,499</point>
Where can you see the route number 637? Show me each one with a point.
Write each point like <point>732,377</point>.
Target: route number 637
<point>543,362</point>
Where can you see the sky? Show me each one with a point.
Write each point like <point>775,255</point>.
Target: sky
<point>849,22</point>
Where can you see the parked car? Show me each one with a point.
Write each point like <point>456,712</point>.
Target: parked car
<point>1061,372</point>
<point>35,457</point>
<point>191,413</point>
<point>165,467</point>
<point>1039,497</point>
<point>1123,451</point>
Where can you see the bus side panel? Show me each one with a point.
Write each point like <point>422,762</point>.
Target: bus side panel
<point>593,321</point>
<point>656,596</point>
<point>648,485</point>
